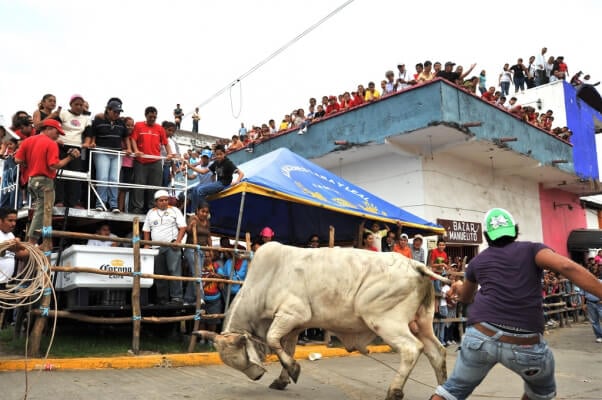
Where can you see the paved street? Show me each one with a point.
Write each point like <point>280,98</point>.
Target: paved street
<point>578,370</point>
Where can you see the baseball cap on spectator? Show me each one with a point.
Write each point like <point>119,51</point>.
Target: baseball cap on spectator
<point>267,232</point>
<point>161,193</point>
<point>53,123</point>
<point>206,153</point>
<point>418,236</point>
<point>449,63</point>
<point>6,127</point>
<point>75,97</point>
<point>403,236</point>
<point>114,105</point>
<point>499,223</point>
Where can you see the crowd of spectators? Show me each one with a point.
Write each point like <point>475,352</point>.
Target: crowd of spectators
<point>540,70</point>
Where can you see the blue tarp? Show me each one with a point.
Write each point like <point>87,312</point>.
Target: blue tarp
<point>298,198</point>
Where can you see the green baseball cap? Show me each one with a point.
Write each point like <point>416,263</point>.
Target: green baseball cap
<point>499,222</point>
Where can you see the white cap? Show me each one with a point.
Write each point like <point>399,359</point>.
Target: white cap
<point>161,193</point>
<point>6,126</point>
<point>404,236</point>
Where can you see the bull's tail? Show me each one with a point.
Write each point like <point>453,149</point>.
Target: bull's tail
<point>424,270</point>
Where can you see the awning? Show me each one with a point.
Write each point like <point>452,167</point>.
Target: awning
<point>297,198</point>
<point>584,239</point>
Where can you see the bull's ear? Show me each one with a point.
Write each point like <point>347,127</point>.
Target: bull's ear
<point>207,335</point>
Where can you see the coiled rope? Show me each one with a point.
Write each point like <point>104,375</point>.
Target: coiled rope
<point>27,289</point>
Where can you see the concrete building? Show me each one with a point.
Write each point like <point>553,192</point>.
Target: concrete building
<point>448,156</point>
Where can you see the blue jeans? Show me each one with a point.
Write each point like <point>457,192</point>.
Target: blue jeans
<point>505,86</point>
<point>519,83</point>
<point>190,293</point>
<point>168,262</point>
<point>107,170</point>
<point>440,326</point>
<point>479,353</point>
<point>199,193</point>
<point>594,312</point>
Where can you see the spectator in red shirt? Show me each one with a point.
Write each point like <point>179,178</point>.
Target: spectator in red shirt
<point>438,259</point>
<point>147,138</point>
<point>488,95</point>
<point>332,106</point>
<point>347,102</point>
<point>39,155</point>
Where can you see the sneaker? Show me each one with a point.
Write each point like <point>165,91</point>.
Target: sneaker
<point>249,150</point>
<point>116,211</point>
<point>599,340</point>
<point>99,209</point>
<point>300,132</point>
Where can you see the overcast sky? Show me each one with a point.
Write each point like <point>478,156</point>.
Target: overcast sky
<point>166,52</point>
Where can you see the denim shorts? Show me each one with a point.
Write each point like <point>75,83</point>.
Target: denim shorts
<point>479,353</point>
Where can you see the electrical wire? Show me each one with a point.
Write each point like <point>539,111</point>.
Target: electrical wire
<point>271,56</point>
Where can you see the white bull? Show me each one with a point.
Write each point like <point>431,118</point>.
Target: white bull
<point>356,294</point>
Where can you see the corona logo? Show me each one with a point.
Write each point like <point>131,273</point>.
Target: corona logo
<point>117,263</point>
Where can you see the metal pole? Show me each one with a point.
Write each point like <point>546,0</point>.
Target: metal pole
<point>234,254</point>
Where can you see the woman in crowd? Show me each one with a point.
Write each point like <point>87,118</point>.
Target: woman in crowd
<point>368,242</point>
<point>505,79</point>
<point>46,109</point>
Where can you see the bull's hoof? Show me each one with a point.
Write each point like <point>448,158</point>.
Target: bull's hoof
<point>394,394</point>
<point>279,384</point>
<point>294,372</point>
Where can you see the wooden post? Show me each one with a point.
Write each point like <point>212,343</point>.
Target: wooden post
<point>197,274</point>
<point>248,240</point>
<point>327,334</point>
<point>40,323</point>
<point>136,312</point>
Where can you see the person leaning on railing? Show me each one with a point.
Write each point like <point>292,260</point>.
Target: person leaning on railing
<point>108,132</point>
<point>39,157</point>
<point>146,139</point>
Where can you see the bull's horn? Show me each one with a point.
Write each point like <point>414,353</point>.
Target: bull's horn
<point>207,335</point>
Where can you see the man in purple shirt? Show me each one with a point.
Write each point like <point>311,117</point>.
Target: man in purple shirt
<point>505,320</point>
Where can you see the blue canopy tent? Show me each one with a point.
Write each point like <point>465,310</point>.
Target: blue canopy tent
<point>297,198</point>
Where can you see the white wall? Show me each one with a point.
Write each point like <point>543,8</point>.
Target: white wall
<point>591,219</point>
<point>552,98</point>
<point>428,189</point>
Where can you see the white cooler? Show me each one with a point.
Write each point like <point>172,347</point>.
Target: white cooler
<point>119,259</point>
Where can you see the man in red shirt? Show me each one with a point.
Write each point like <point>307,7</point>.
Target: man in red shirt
<point>39,155</point>
<point>147,138</point>
<point>438,259</point>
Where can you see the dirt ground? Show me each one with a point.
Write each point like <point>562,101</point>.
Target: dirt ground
<point>578,372</point>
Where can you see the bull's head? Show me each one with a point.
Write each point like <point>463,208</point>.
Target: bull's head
<point>238,352</point>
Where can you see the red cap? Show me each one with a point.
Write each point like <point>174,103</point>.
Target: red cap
<point>53,123</point>
<point>267,232</point>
